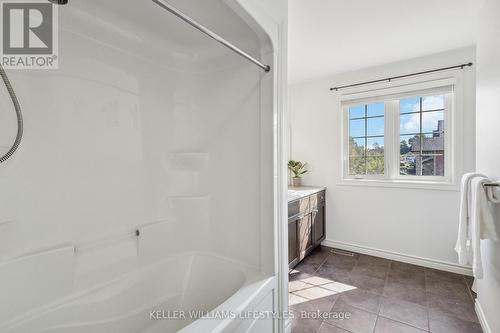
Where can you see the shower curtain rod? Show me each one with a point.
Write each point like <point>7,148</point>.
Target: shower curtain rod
<point>210,33</point>
<point>389,79</point>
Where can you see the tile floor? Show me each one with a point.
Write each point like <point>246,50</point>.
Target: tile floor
<point>379,295</point>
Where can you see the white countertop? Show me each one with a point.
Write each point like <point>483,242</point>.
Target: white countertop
<point>298,192</point>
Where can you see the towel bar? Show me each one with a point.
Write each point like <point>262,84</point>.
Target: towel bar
<point>492,184</point>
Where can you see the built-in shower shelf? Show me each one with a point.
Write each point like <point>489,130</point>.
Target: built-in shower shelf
<point>187,161</point>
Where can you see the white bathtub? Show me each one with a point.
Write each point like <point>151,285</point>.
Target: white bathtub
<point>141,301</point>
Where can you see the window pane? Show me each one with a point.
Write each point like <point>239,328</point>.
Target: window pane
<point>409,150</point>
<point>375,109</point>
<point>432,144</point>
<point>357,166</point>
<point>375,146</point>
<point>375,165</point>
<point>357,111</point>
<point>407,165</point>
<point>356,147</point>
<point>409,123</point>
<point>433,122</point>
<point>366,138</point>
<point>432,165</point>
<point>357,127</point>
<point>375,126</point>
<point>433,103</point>
<point>409,105</point>
<point>409,144</point>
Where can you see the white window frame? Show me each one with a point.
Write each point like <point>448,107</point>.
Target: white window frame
<point>447,83</point>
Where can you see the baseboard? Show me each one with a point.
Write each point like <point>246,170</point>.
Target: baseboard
<point>482,319</point>
<point>425,262</point>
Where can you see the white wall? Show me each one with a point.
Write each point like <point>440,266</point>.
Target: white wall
<point>412,222</point>
<point>488,149</point>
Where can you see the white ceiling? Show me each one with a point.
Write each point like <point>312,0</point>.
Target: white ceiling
<point>334,36</point>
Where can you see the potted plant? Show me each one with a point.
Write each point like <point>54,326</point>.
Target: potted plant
<point>297,168</point>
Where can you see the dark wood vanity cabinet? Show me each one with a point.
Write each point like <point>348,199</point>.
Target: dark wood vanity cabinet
<point>293,241</point>
<point>305,236</point>
<point>306,226</point>
<point>318,223</point>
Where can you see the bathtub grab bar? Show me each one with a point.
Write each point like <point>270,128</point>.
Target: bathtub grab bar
<point>208,32</point>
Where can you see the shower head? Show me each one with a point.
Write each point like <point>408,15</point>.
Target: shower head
<point>59,2</point>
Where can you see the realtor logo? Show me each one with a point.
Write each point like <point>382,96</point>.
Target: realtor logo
<point>29,34</point>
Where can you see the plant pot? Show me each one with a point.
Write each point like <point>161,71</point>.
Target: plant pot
<point>296,181</point>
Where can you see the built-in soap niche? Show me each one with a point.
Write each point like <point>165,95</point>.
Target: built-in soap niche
<point>187,172</point>
<point>186,161</point>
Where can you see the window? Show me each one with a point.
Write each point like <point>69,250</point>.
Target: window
<point>366,139</point>
<point>422,135</point>
<point>399,137</point>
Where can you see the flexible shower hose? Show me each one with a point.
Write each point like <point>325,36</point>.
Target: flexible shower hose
<point>19,115</point>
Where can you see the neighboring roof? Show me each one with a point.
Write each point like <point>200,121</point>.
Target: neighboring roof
<point>429,144</point>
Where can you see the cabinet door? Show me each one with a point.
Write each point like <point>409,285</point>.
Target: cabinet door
<point>293,242</point>
<point>318,223</point>
<point>305,236</point>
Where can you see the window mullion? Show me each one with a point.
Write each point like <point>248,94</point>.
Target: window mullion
<point>421,142</point>
<point>366,139</point>
<point>392,142</point>
<point>345,141</point>
<point>449,144</point>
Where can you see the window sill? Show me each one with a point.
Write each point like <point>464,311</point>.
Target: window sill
<point>421,184</point>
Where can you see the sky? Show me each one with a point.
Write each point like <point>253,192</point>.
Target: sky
<point>409,121</point>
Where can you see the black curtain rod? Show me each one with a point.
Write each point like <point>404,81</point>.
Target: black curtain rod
<point>389,79</point>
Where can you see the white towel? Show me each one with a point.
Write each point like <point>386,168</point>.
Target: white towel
<point>493,194</point>
<point>476,222</point>
<point>463,242</point>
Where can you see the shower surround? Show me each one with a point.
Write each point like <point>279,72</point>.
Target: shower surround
<point>147,178</point>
